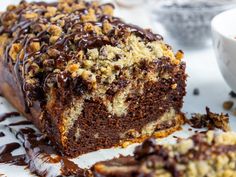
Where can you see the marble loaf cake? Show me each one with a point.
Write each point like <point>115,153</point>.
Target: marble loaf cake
<point>87,79</point>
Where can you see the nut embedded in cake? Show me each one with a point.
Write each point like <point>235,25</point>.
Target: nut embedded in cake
<point>87,79</point>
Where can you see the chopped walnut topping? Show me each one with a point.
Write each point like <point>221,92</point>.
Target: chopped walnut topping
<point>56,32</point>
<point>51,11</point>
<point>90,16</point>
<point>80,55</point>
<point>179,55</point>
<point>73,68</point>
<point>15,50</point>
<point>88,27</point>
<point>108,10</point>
<point>86,74</point>
<point>88,63</point>
<point>107,26</point>
<point>3,39</point>
<point>65,7</point>
<point>34,69</point>
<point>57,17</point>
<point>31,15</point>
<point>78,6</point>
<point>34,46</point>
<point>8,18</point>
<point>53,52</point>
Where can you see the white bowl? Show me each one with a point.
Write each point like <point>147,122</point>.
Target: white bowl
<point>224,41</point>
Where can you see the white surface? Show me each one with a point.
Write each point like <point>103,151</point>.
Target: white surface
<point>224,42</point>
<point>203,74</point>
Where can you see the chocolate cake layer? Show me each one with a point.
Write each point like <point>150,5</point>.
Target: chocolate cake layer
<point>203,155</point>
<point>87,79</point>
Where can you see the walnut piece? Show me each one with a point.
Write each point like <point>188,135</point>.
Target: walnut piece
<point>31,15</point>
<point>90,16</point>
<point>108,10</point>
<point>34,46</point>
<point>51,12</point>
<point>107,26</point>
<point>56,32</point>
<point>15,50</point>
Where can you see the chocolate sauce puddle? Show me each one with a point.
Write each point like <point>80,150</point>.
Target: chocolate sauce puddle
<point>38,148</point>
<point>8,148</point>
<point>8,115</point>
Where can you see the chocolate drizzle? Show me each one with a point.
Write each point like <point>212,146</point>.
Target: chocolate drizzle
<point>8,115</point>
<point>24,122</point>
<point>73,39</point>
<point>7,157</point>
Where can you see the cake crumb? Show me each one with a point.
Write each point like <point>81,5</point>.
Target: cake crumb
<point>210,120</point>
<point>196,92</point>
<point>179,55</point>
<point>232,94</point>
<point>227,105</point>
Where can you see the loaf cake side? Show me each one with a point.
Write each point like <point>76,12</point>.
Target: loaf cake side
<point>87,79</point>
<point>204,154</point>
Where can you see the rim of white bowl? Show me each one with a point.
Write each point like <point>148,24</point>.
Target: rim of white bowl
<point>215,28</point>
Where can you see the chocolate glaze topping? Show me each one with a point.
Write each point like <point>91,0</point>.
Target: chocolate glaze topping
<point>25,30</point>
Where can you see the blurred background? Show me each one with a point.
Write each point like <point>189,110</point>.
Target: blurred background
<point>184,22</point>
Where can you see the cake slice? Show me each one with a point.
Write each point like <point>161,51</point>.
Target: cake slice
<point>87,79</point>
<point>202,155</point>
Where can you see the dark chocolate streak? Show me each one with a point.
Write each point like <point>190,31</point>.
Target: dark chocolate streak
<point>7,157</point>
<point>8,115</point>
<point>24,122</point>
<point>88,40</point>
<point>8,148</point>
